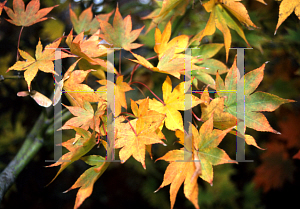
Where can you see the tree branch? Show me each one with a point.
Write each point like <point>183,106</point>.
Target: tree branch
<point>32,144</point>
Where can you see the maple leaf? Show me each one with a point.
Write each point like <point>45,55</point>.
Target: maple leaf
<point>172,102</point>
<point>32,15</point>
<point>133,136</point>
<point>119,92</point>
<point>89,49</point>
<point>224,14</point>
<point>162,42</point>
<point>276,167</point>
<point>82,146</point>
<point>195,159</point>
<point>42,62</point>
<point>87,180</point>
<point>168,64</point>
<point>285,9</point>
<point>41,99</point>
<point>76,91</point>
<point>85,117</point>
<point>222,120</point>
<point>289,130</point>
<point>85,22</point>
<point>254,102</point>
<point>120,34</point>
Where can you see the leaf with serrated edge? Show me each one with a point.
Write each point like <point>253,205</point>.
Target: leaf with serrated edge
<point>135,135</point>
<point>32,15</point>
<point>44,61</point>
<point>254,102</point>
<point>87,180</point>
<point>195,160</point>
<point>120,34</point>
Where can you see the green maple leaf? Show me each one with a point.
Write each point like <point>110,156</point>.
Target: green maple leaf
<point>85,22</point>
<point>254,102</point>
<point>120,34</point>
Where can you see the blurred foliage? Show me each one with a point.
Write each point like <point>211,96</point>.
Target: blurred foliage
<point>128,185</point>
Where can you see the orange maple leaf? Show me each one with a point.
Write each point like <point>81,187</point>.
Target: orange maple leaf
<point>44,61</point>
<point>120,34</point>
<point>89,177</point>
<point>195,159</point>
<point>119,92</point>
<point>89,49</point>
<point>32,15</point>
<point>276,168</point>
<point>82,146</point>
<point>78,92</point>
<point>133,136</point>
<point>85,117</point>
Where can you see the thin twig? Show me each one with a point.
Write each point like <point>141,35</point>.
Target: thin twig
<point>137,65</point>
<point>120,62</point>
<point>2,78</point>
<point>149,90</point>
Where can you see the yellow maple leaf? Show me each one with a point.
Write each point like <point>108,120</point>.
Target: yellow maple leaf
<point>133,136</point>
<point>162,42</point>
<point>44,61</point>
<point>173,101</point>
<point>119,92</point>
<point>286,8</point>
<point>225,14</point>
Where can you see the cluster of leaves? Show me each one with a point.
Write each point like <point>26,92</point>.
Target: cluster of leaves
<point>135,133</point>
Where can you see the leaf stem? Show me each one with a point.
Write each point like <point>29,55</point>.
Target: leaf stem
<point>129,114</point>
<point>140,90</point>
<point>18,55</point>
<point>131,127</point>
<point>149,90</point>
<point>136,66</point>
<point>198,119</point>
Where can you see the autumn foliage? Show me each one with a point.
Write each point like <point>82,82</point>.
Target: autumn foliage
<point>137,128</point>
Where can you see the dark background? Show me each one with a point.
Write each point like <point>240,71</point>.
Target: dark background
<point>272,180</point>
